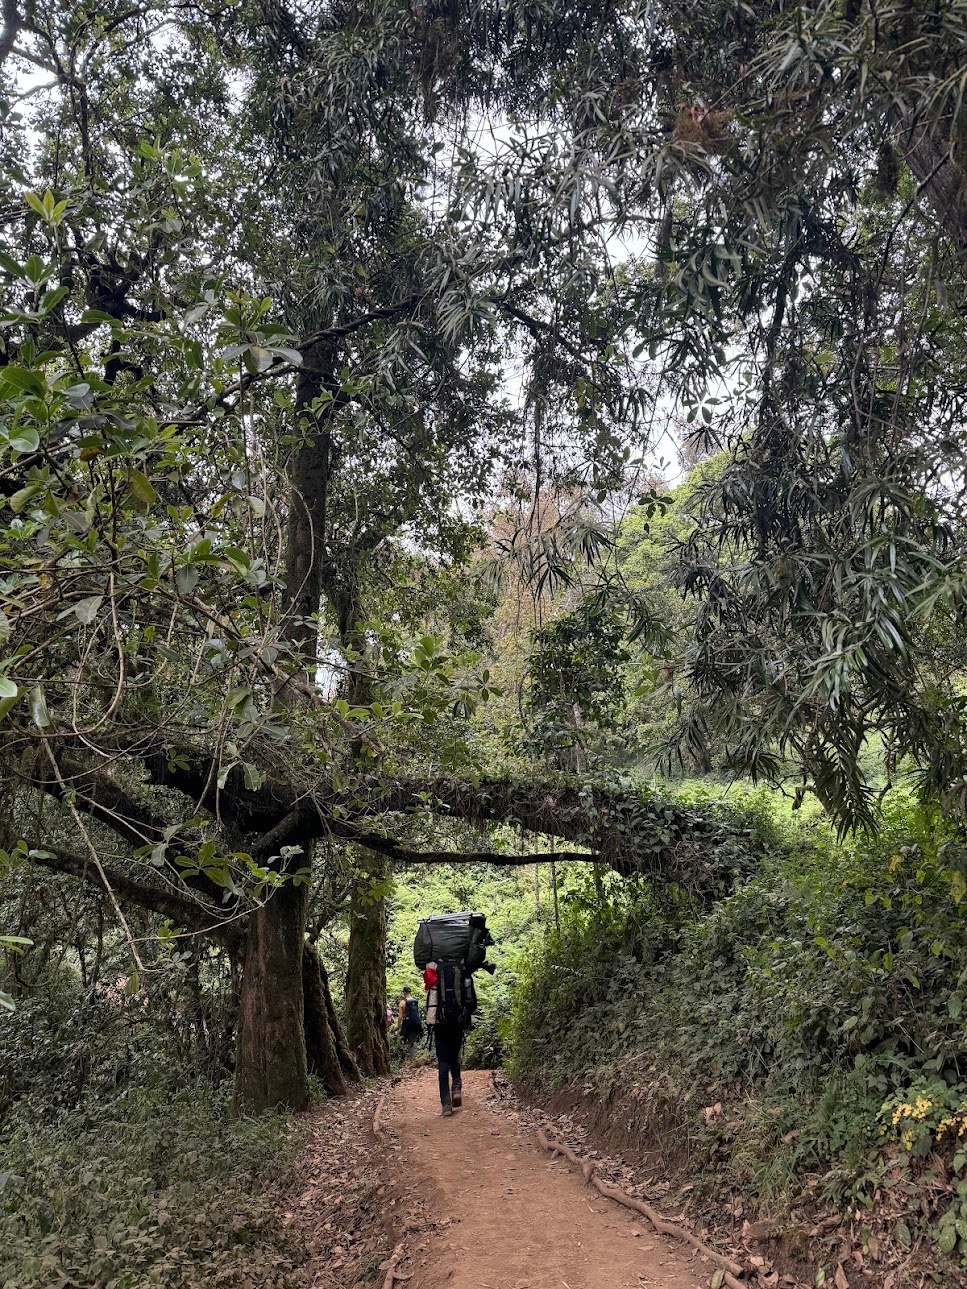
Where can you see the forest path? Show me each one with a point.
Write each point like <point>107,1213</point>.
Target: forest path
<point>519,1219</point>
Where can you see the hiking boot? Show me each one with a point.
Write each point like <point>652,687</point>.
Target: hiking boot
<point>457,1096</point>
<point>447,1110</point>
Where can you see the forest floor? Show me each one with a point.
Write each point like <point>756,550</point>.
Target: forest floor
<point>468,1202</point>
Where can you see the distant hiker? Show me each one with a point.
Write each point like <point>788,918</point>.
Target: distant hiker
<point>410,1027</point>
<point>448,949</point>
<point>389,1016</point>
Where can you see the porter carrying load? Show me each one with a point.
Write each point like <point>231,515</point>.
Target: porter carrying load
<point>457,937</point>
<point>448,949</point>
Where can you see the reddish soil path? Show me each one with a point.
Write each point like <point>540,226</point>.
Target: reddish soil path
<point>521,1220</point>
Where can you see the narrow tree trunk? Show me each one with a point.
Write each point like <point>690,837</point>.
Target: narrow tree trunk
<point>557,907</point>
<point>270,1068</point>
<point>347,1061</point>
<point>366,978</point>
<point>321,1054</point>
<point>326,1051</point>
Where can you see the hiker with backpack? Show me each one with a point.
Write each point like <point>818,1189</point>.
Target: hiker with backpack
<point>450,1013</point>
<point>448,949</point>
<point>410,1026</point>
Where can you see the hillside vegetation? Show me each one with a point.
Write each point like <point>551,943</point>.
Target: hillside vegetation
<point>801,1044</point>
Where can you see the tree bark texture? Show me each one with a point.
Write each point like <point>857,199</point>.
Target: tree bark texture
<point>328,1056</point>
<point>932,154</point>
<point>271,1066</point>
<point>366,978</point>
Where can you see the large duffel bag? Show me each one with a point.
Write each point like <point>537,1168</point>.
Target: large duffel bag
<point>461,936</point>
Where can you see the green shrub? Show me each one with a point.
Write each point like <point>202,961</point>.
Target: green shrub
<point>809,1003</point>
<point>128,1193</point>
<point>122,1167</point>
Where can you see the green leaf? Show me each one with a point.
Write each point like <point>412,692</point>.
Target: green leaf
<point>254,777</point>
<point>23,496</point>
<point>38,708</point>
<point>6,1002</point>
<point>36,269</point>
<point>7,704</point>
<point>8,687</point>
<point>53,298</point>
<point>10,265</point>
<point>86,610</point>
<point>25,442</point>
<point>23,381</point>
<point>141,487</point>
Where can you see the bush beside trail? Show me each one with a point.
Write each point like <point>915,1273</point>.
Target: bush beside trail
<point>122,1168</point>
<point>801,1043</point>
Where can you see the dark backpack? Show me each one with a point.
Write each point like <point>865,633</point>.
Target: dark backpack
<point>461,936</point>
<point>411,1017</point>
<point>456,996</point>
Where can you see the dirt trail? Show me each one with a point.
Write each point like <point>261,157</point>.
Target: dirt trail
<point>521,1217</point>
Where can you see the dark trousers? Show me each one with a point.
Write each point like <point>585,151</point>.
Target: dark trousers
<point>448,1043</point>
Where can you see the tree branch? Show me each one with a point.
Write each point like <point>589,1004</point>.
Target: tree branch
<point>12,22</point>
<point>394,849</point>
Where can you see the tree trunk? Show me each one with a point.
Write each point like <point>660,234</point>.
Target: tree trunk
<point>326,1050</point>
<point>346,1059</point>
<point>271,1068</point>
<point>366,978</point>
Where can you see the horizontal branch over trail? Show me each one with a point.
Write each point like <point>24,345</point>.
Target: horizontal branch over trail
<point>702,848</point>
<point>632,829</point>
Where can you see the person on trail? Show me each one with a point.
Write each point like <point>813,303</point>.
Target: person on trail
<point>389,1016</point>
<point>410,1026</point>
<point>450,1020</point>
<point>448,949</point>
<point>448,1040</point>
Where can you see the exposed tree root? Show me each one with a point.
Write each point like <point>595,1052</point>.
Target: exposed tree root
<point>661,1225</point>
<point>393,1263</point>
<point>559,1148</point>
<point>378,1115</point>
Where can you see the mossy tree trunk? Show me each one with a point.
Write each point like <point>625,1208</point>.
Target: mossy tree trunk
<point>326,1051</point>
<point>272,1064</point>
<point>366,977</point>
<point>271,1067</point>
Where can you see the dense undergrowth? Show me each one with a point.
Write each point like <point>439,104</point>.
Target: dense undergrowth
<point>121,1166</point>
<point>802,1041</point>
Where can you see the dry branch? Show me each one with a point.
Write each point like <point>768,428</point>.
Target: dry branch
<point>661,1225</point>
